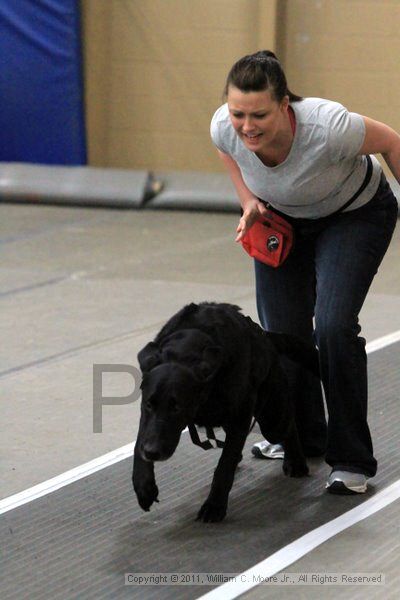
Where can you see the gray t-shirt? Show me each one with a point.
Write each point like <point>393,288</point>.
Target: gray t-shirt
<point>323,169</point>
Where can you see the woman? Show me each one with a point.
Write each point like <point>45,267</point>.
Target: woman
<point>306,158</point>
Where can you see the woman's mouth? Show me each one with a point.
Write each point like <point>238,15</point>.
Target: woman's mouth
<point>252,137</point>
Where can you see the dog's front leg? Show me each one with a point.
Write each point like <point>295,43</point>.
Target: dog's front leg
<point>215,507</point>
<point>143,479</point>
<point>144,482</point>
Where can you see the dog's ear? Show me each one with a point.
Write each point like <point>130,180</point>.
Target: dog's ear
<point>149,357</point>
<point>209,364</point>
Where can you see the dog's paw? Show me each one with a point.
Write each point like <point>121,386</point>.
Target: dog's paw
<point>298,469</point>
<point>211,513</point>
<point>146,493</point>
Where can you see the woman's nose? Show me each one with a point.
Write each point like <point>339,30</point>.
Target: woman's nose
<point>248,124</point>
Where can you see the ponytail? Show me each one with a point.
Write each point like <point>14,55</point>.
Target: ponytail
<point>258,72</point>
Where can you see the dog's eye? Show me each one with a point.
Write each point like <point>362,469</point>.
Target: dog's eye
<point>148,406</point>
<point>174,406</point>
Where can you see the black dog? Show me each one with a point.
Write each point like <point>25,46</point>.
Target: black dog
<point>210,365</point>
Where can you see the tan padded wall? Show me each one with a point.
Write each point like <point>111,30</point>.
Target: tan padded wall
<point>344,50</point>
<point>154,75</point>
<point>155,69</point>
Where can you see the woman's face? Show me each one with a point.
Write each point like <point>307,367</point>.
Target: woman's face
<point>257,118</point>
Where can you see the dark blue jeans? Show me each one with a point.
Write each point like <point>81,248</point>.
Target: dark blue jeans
<point>327,277</point>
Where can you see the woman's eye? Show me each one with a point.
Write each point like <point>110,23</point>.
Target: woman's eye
<point>240,116</point>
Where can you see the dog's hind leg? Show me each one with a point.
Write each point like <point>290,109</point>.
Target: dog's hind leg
<point>276,418</point>
<point>294,461</point>
<point>215,507</point>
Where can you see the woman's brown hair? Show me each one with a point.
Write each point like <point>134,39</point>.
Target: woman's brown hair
<point>258,72</point>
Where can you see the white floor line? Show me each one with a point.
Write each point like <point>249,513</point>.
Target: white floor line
<point>51,485</point>
<point>305,544</point>
<point>382,342</point>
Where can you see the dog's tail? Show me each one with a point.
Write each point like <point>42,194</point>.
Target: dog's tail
<point>296,349</point>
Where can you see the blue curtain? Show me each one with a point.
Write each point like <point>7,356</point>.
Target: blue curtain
<point>41,89</point>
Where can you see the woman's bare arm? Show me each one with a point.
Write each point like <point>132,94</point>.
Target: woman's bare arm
<point>382,139</point>
<point>251,205</point>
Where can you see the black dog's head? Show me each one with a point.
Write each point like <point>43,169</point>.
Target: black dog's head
<point>176,377</point>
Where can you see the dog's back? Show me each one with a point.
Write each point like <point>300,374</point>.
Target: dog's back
<point>206,316</point>
<point>226,324</point>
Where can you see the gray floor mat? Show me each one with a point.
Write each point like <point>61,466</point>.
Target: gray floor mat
<point>79,186</point>
<point>192,190</point>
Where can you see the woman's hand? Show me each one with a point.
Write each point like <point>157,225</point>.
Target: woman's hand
<point>251,213</point>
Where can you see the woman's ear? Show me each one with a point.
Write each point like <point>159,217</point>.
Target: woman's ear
<point>285,103</point>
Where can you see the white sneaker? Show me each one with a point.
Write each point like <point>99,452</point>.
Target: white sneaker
<point>345,482</point>
<point>265,449</point>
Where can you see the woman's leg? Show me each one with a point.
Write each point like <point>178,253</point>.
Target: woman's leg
<point>348,254</point>
<point>285,303</point>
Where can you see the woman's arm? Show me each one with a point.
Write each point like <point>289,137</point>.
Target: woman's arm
<point>251,205</point>
<point>382,139</point>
